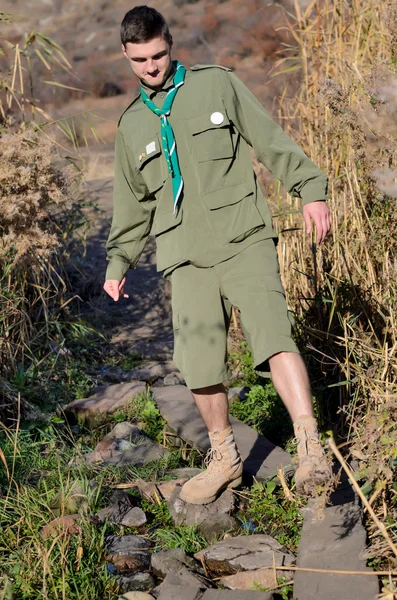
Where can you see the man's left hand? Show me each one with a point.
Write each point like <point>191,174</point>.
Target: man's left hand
<point>321,215</point>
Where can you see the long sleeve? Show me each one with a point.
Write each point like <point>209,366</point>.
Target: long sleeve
<point>133,209</point>
<point>272,146</point>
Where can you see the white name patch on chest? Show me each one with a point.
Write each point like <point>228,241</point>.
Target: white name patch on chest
<point>151,148</point>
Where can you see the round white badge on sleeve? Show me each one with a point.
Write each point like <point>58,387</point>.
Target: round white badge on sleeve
<point>217,118</point>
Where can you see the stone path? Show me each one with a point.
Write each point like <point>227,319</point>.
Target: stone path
<point>335,542</point>
<point>261,458</point>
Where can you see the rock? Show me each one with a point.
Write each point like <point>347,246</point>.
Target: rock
<point>67,524</point>
<point>147,489</point>
<point>129,552</point>
<point>183,472</point>
<point>245,553</point>
<point>121,432</point>
<point>136,596</point>
<point>194,514</point>
<point>122,511</point>
<point>174,378</point>
<point>236,595</point>
<point>167,488</point>
<point>180,592</point>
<point>215,526</point>
<point>138,583</point>
<point>246,580</point>
<point>134,448</point>
<point>181,585</point>
<point>105,401</point>
<point>172,561</point>
<point>171,438</point>
<point>134,518</point>
<point>237,393</point>
<point>336,542</point>
<point>152,370</point>
<point>262,459</point>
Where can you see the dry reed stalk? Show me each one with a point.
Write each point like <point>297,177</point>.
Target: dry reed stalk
<point>363,499</point>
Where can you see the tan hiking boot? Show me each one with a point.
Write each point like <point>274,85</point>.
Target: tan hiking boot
<point>224,470</point>
<point>313,469</point>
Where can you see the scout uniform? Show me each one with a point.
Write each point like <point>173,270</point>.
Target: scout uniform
<point>217,244</point>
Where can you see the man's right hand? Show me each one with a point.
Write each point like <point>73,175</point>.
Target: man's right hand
<point>115,289</point>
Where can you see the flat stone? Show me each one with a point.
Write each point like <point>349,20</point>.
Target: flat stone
<point>120,505</point>
<point>67,524</point>
<point>129,553</point>
<point>245,553</point>
<point>138,451</point>
<point>262,459</point>
<point>246,580</point>
<point>174,378</point>
<point>138,583</point>
<point>134,518</point>
<point>105,401</point>
<point>215,526</point>
<point>122,514</point>
<point>334,542</point>
<point>183,472</point>
<point>184,513</point>
<point>236,595</point>
<point>136,596</point>
<point>122,431</point>
<point>167,488</point>
<point>180,592</point>
<point>152,370</point>
<point>182,582</point>
<point>172,561</point>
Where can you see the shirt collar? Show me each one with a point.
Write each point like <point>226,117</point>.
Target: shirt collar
<point>168,83</point>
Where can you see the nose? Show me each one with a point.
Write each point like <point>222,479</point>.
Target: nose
<point>150,65</point>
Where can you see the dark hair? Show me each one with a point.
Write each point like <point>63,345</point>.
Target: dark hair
<point>142,24</point>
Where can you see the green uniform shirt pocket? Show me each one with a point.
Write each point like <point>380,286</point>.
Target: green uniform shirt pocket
<point>165,220</point>
<point>233,213</point>
<point>148,156</point>
<point>212,135</point>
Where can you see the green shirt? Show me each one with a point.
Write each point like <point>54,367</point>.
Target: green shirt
<point>215,119</point>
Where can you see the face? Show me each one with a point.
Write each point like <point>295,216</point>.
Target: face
<point>150,61</point>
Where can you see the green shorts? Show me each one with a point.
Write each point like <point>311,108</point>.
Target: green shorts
<point>202,299</point>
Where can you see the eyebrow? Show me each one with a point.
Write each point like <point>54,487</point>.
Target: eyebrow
<point>158,55</point>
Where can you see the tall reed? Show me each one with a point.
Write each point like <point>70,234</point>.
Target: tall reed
<point>344,293</point>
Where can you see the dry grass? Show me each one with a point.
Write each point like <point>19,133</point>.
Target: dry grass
<point>38,209</point>
<point>345,292</point>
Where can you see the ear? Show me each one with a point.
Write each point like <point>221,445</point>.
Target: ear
<point>171,42</point>
<point>123,49</point>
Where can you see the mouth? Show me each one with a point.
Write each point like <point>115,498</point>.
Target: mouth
<point>153,75</point>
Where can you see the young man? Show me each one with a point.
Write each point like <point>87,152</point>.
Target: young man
<point>183,172</point>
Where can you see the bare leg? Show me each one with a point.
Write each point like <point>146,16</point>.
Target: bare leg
<point>291,381</point>
<point>213,406</point>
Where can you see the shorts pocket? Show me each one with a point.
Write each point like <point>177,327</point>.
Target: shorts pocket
<point>212,141</point>
<point>150,163</point>
<point>233,213</point>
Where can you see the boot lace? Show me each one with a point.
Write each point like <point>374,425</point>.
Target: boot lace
<point>212,455</point>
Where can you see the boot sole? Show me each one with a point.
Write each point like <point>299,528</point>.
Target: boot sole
<point>233,484</point>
